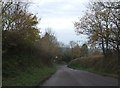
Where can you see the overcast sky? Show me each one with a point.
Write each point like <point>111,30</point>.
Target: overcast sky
<point>59,15</point>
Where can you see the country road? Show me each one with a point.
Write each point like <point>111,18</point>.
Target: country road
<point>69,77</point>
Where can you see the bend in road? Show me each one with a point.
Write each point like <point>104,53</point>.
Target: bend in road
<point>70,77</point>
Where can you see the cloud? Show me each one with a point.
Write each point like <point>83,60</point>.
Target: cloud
<point>58,23</point>
<point>59,8</point>
<point>60,16</point>
<point>43,2</point>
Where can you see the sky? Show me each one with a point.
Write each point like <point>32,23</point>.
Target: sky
<point>60,15</point>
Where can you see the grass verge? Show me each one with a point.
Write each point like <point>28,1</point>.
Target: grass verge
<point>31,77</point>
<point>94,71</point>
<point>96,66</point>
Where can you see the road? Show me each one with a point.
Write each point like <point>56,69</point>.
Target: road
<point>69,77</point>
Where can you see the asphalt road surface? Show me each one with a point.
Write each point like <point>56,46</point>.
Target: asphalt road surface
<point>69,77</point>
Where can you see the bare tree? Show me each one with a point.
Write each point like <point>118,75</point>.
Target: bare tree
<point>102,25</point>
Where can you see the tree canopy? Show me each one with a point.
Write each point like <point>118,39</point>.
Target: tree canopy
<point>101,23</point>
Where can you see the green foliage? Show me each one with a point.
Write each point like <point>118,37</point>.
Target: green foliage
<point>84,50</point>
<point>47,48</point>
<point>19,31</point>
<point>19,35</point>
<point>67,55</point>
<point>21,43</point>
<point>32,76</point>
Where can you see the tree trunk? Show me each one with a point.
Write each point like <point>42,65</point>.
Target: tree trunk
<point>103,48</point>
